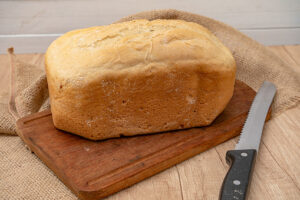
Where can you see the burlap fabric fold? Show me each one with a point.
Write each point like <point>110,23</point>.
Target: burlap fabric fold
<point>29,94</point>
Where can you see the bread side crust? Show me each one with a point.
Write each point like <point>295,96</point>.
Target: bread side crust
<point>142,103</point>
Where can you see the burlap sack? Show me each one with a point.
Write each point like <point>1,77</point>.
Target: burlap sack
<point>29,94</point>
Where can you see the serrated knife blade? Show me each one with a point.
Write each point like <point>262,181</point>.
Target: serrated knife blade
<point>254,124</point>
<point>242,159</point>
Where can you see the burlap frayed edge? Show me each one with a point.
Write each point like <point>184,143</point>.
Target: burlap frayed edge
<point>12,104</point>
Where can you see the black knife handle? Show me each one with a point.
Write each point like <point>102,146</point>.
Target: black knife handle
<point>238,177</point>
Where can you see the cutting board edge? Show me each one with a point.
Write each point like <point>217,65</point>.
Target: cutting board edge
<point>48,161</point>
<point>125,182</point>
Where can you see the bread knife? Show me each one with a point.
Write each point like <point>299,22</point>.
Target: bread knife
<point>242,158</point>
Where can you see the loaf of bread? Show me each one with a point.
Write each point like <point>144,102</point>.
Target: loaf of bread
<point>138,77</point>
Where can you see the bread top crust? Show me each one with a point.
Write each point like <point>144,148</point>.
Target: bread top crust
<point>136,46</point>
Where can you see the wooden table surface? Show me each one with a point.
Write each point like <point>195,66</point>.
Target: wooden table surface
<point>277,170</point>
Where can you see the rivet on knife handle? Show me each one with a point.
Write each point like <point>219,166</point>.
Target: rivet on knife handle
<point>237,180</point>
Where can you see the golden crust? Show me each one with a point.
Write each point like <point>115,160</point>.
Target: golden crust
<point>138,77</point>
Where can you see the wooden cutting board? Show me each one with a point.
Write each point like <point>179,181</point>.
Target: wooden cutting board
<point>94,170</point>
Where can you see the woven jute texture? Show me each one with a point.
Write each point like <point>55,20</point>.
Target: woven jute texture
<point>24,176</point>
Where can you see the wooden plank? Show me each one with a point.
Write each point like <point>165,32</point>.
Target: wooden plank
<point>165,185</point>
<point>281,52</point>
<point>294,52</point>
<point>51,16</point>
<point>282,141</point>
<point>286,56</point>
<point>274,36</point>
<point>201,177</point>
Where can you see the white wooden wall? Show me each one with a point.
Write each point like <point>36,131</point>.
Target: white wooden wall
<point>31,25</point>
